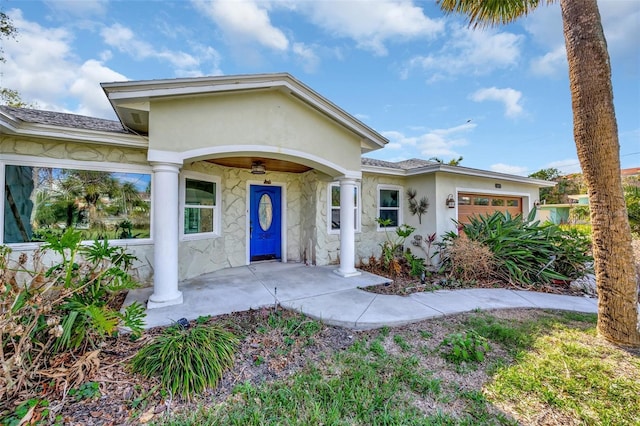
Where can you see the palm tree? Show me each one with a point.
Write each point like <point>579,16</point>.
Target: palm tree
<point>596,136</point>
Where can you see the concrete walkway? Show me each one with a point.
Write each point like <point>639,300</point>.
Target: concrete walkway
<point>319,293</point>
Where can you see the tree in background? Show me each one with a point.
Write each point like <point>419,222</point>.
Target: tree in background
<point>595,132</point>
<point>452,162</point>
<point>566,185</point>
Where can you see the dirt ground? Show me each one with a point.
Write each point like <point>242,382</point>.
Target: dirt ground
<point>129,399</point>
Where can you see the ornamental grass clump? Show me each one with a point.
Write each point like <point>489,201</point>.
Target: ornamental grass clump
<point>187,360</point>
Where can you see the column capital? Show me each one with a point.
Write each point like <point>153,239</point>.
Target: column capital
<point>161,166</point>
<point>347,180</point>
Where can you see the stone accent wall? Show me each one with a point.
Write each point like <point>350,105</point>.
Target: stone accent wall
<point>368,241</point>
<point>73,151</point>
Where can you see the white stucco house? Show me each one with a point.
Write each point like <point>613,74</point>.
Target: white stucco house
<point>216,172</point>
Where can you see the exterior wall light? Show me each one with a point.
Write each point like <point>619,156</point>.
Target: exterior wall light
<point>451,203</point>
<point>257,168</point>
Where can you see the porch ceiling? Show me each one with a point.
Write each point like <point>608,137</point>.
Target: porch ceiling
<point>270,164</point>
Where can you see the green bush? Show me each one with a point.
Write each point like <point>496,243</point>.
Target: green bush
<point>524,251</point>
<point>187,360</point>
<point>69,306</point>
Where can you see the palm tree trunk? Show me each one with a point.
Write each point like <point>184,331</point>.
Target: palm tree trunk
<point>596,137</point>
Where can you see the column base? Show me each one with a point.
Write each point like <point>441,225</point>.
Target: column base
<point>154,304</point>
<point>349,274</point>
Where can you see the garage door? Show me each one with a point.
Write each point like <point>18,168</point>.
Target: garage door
<point>486,204</point>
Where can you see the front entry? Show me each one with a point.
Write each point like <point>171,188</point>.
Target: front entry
<point>265,222</point>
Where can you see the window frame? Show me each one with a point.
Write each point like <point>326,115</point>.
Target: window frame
<point>400,191</point>
<point>217,208</point>
<point>58,163</point>
<point>357,209</point>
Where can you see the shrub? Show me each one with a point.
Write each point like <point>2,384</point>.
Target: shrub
<point>469,260</point>
<point>525,251</point>
<point>187,360</point>
<point>69,306</point>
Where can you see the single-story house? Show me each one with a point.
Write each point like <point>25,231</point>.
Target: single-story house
<point>201,174</point>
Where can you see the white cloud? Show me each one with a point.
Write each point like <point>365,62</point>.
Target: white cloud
<point>244,21</point>
<point>41,66</point>
<point>79,8</point>
<point>308,57</point>
<point>372,23</point>
<point>123,39</point>
<point>568,166</point>
<point>87,90</point>
<point>469,51</point>
<point>509,169</point>
<point>440,143</point>
<point>551,63</point>
<point>509,97</point>
<point>620,23</point>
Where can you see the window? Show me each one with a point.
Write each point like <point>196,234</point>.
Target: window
<point>201,207</point>
<point>101,204</point>
<point>334,208</point>
<point>389,205</point>
<point>481,201</point>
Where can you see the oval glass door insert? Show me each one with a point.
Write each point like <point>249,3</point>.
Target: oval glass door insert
<point>265,212</point>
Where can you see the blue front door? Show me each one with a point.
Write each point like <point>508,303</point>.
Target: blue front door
<point>264,222</point>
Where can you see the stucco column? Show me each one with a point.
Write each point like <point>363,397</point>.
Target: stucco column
<point>165,235</point>
<point>347,232</point>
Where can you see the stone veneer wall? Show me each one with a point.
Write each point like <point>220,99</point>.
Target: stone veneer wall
<point>368,241</point>
<point>229,250</point>
<point>72,151</point>
<point>89,152</point>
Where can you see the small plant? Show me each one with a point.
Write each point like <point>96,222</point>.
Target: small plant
<point>416,264</point>
<point>392,247</point>
<point>401,342</point>
<point>464,347</point>
<point>417,207</point>
<point>87,390</point>
<point>187,360</point>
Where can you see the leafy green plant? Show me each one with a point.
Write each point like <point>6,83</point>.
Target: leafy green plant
<point>464,347</point>
<point>525,251</point>
<point>187,360</point>
<point>416,264</point>
<point>392,246</point>
<point>87,390</point>
<point>68,306</point>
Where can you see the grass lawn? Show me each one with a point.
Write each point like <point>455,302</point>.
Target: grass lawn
<point>506,367</point>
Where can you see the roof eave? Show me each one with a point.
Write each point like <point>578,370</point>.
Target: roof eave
<point>467,171</point>
<point>12,126</point>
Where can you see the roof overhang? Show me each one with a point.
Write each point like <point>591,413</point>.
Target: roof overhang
<point>131,99</point>
<point>10,125</point>
<point>467,171</point>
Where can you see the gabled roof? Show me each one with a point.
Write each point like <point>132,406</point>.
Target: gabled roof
<point>131,99</point>
<point>64,126</point>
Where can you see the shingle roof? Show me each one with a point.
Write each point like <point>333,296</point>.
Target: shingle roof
<point>63,119</point>
<point>412,163</point>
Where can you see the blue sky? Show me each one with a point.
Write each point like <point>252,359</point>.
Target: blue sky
<point>498,97</point>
